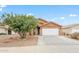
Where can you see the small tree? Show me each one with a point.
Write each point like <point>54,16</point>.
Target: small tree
<point>21,24</point>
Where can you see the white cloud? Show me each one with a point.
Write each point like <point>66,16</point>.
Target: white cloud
<point>1,7</point>
<point>73,15</point>
<point>62,17</point>
<point>52,20</point>
<point>29,14</point>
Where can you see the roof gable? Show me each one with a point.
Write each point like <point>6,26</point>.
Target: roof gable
<point>71,26</point>
<point>52,24</point>
<point>42,22</point>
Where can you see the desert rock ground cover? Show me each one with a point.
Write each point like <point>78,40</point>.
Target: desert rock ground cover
<point>14,41</point>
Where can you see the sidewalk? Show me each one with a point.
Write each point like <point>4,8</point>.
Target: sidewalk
<point>42,49</point>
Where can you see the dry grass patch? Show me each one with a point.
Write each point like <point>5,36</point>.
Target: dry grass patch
<point>15,41</point>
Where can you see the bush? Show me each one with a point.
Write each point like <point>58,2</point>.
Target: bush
<point>75,35</point>
<point>78,37</point>
<point>3,34</point>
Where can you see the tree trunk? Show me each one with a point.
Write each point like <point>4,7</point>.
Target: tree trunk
<point>22,35</point>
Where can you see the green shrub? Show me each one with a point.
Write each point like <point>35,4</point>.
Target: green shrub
<point>21,24</point>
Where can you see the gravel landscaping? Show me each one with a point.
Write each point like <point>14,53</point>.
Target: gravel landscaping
<point>14,41</point>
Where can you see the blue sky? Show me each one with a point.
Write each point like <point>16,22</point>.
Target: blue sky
<point>61,14</point>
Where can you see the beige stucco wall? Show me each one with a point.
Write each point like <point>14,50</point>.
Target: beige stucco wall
<point>2,30</point>
<point>65,31</point>
<point>51,25</point>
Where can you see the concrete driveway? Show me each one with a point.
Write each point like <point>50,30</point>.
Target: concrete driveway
<point>56,40</point>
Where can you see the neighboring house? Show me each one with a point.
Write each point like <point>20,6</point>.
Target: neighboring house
<point>5,30</point>
<point>44,28</point>
<point>69,29</point>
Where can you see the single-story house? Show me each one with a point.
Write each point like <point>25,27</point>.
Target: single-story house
<point>44,28</point>
<point>69,29</point>
<point>47,28</point>
<point>5,30</point>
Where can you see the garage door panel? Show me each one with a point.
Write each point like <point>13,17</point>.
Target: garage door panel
<point>50,31</point>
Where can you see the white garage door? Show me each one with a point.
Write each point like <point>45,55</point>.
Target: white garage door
<point>50,31</point>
